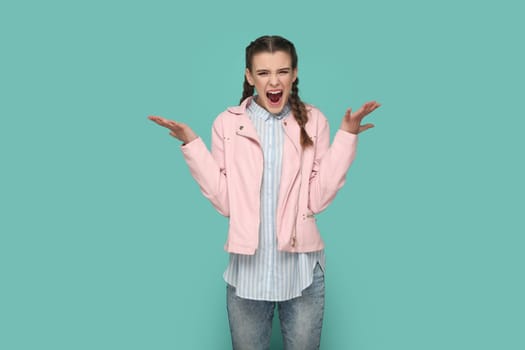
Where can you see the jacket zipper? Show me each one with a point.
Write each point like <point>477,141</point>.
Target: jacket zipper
<point>293,239</point>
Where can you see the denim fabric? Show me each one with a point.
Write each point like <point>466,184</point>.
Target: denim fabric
<point>301,318</point>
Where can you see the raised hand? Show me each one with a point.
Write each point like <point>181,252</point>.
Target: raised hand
<point>178,130</point>
<point>352,121</point>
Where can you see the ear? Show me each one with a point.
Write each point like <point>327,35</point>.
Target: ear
<point>294,75</point>
<point>249,77</point>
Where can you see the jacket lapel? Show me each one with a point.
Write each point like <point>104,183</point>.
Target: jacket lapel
<point>244,127</point>
<point>291,165</point>
<point>293,132</point>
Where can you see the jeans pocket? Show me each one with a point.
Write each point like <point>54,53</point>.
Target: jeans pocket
<point>318,271</point>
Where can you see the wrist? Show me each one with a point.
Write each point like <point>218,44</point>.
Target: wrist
<point>189,140</point>
<point>351,127</point>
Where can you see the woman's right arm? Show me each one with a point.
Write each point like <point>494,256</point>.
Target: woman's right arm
<point>208,169</point>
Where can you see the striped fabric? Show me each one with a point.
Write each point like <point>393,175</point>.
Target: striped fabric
<point>270,274</point>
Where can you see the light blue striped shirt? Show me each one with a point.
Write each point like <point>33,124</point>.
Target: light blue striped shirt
<point>270,274</point>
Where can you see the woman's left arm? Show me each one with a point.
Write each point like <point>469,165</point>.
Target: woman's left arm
<point>332,162</point>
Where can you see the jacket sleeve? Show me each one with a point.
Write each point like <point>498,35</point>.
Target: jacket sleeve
<point>331,163</point>
<point>208,169</point>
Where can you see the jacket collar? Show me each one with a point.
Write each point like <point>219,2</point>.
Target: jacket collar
<point>291,127</point>
<point>240,109</point>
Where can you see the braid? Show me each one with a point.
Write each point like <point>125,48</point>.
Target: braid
<point>300,114</point>
<point>247,90</point>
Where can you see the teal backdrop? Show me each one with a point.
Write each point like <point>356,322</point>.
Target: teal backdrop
<point>107,243</point>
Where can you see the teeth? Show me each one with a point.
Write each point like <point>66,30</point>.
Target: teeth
<point>274,92</point>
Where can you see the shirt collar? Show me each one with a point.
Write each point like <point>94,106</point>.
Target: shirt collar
<point>256,110</point>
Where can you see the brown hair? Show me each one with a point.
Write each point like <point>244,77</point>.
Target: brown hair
<point>272,44</point>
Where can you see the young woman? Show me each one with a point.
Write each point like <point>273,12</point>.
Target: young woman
<point>270,170</point>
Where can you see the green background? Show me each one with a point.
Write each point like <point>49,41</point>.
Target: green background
<point>106,242</point>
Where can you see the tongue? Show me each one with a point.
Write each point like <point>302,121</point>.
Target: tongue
<point>274,97</point>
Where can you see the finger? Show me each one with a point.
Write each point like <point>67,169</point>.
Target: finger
<point>160,122</point>
<point>365,127</point>
<point>360,113</point>
<point>157,119</point>
<point>369,107</point>
<point>373,105</point>
<point>164,124</point>
<point>176,124</point>
<point>170,124</point>
<point>370,103</point>
<point>153,118</point>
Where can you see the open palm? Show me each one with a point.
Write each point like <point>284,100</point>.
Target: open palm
<point>178,130</point>
<point>352,121</point>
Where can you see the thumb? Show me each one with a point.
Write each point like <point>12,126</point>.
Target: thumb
<point>365,127</point>
<point>348,114</point>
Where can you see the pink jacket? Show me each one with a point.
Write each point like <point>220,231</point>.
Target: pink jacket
<point>231,176</point>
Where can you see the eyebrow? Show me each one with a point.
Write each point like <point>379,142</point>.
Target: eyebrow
<point>278,69</point>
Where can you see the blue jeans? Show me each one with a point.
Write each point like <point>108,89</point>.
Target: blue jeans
<point>301,318</point>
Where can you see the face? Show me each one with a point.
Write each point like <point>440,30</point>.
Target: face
<point>272,76</point>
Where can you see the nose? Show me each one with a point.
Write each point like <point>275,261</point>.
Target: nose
<point>274,80</point>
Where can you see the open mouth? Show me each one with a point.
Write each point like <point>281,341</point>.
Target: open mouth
<point>275,96</point>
